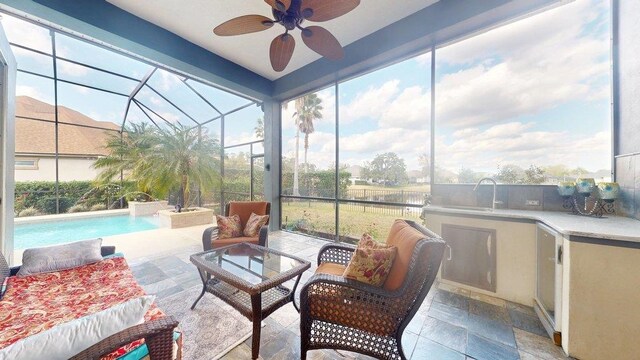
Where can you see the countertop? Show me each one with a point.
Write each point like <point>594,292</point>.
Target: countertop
<point>608,227</point>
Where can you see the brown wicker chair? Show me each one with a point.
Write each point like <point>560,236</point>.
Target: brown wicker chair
<point>243,209</point>
<point>158,334</point>
<point>344,314</point>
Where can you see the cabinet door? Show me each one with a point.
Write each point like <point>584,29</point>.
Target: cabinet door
<point>470,256</point>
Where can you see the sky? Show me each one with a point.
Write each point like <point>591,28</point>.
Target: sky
<point>536,91</point>
<point>101,106</point>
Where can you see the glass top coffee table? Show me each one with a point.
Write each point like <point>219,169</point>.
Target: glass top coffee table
<point>249,278</point>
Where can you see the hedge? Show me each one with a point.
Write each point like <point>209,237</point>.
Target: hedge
<point>41,195</point>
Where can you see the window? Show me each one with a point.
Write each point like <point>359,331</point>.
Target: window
<point>527,103</point>
<point>525,108</point>
<point>66,118</point>
<point>381,169</point>
<point>26,164</point>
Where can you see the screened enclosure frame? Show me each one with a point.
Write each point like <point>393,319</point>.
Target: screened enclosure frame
<point>337,199</point>
<point>132,100</point>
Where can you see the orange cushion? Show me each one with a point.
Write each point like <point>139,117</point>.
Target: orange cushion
<point>330,269</point>
<point>217,243</point>
<point>245,208</point>
<point>404,237</point>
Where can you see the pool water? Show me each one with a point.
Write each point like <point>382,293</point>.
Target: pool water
<point>64,231</point>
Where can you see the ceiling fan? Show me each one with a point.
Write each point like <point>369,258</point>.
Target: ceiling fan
<point>291,14</point>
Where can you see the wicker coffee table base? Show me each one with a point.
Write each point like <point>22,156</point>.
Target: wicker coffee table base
<point>255,307</point>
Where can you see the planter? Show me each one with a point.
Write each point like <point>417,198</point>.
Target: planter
<point>137,208</point>
<point>188,217</point>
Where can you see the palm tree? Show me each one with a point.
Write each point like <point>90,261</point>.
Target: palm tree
<point>298,105</point>
<point>165,160</point>
<point>124,152</point>
<point>308,109</point>
<point>311,110</point>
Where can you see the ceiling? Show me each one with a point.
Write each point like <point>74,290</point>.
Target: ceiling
<point>194,21</point>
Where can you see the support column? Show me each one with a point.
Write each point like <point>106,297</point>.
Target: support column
<point>272,156</point>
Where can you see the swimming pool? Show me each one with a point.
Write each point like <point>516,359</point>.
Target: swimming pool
<point>67,230</point>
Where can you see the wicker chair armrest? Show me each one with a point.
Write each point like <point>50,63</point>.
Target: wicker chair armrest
<point>208,236</point>
<point>158,335</point>
<point>263,236</point>
<point>336,253</point>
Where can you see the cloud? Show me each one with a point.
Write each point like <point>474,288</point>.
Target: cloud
<point>392,106</point>
<point>26,34</point>
<point>522,68</point>
<point>156,101</point>
<point>168,81</point>
<point>241,138</point>
<point>71,69</point>
<point>369,103</point>
<point>514,143</point>
<point>424,60</point>
<point>29,91</point>
<point>328,109</point>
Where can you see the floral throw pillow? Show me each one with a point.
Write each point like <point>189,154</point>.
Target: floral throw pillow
<point>370,262</point>
<point>229,226</point>
<point>367,241</point>
<point>254,224</point>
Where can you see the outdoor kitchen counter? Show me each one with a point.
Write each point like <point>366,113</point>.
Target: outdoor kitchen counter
<point>616,228</point>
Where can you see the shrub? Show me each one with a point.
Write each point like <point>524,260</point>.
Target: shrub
<point>30,211</point>
<point>49,204</point>
<point>77,209</point>
<point>99,207</point>
<point>361,182</point>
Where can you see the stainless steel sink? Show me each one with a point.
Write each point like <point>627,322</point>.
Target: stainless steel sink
<point>473,208</point>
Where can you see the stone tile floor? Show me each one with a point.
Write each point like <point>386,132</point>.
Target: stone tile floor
<point>452,323</point>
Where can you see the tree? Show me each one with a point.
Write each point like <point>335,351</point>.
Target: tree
<point>510,174</point>
<point>124,152</point>
<point>298,103</point>
<point>310,110</point>
<point>259,129</point>
<point>467,176</point>
<point>164,160</point>
<point>534,175</point>
<point>387,167</point>
<point>425,165</point>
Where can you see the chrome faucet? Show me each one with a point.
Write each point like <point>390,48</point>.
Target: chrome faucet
<point>494,202</point>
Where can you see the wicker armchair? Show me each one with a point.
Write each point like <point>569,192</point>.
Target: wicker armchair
<point>344,314</point>
<point>158,334</point>
<point>243,209</point>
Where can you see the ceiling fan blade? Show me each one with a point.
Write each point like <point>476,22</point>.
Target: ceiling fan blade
<point>281,5</point>
<point>324,10</point>
<point>243,25</point>
<point>323,42</point>
<point>281,51</point>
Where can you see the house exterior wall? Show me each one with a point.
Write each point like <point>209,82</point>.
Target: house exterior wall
<point>69,169</point>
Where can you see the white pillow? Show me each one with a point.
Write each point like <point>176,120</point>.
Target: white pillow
<point>66,340</point>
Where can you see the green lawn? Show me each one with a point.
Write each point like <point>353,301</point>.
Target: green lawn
<point>314,216</point>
